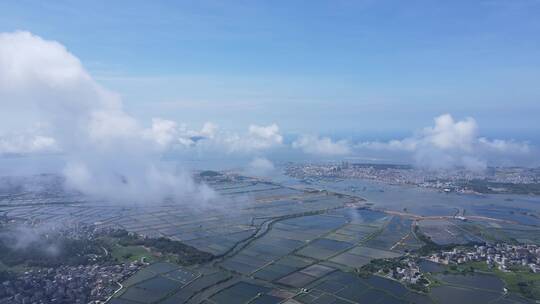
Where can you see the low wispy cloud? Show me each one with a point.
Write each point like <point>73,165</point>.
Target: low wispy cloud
<point>260,166</point>
<point>211,138</point>
<point>257,138</point>
<point>322,146</point>
<point>450,143</point>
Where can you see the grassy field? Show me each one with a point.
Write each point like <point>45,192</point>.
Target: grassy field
<point>520,280</point>
<point>131,253</point>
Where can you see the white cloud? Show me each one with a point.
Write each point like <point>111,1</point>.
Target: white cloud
<point>163,132</point>
<point>27,143</point>
<point>265,135</point>
<point>321,145</point>
<point>449,134</point>
<point>451,143</point>
<point>108,152</point>
<point>257,138</point>
<point>209,130</point>
<point>505,146</point>
<point>29,60</point>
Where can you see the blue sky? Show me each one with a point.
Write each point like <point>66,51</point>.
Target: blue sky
<point>371,69</point>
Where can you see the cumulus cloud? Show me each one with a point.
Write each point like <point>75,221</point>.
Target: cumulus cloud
<point>163,132</point>
<point>29,142</point>
<point>505,146</point>
<point>208,130</point>
<point>108,152</point>
<point>449,134</point>
<point>265,136</point>
<point>449,143</point>
<point>211,138</point>
<point>324,146</point>
<point>257,138</point>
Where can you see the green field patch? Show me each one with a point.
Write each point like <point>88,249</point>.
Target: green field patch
<point>519,280</point>
<point>132,253</point>
<point>451,294</point>
<point>475,280</point>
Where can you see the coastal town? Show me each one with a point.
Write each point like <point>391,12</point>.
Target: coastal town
<point>57,264</point>
<point>66,284</point>
<point>500,256</point>
<point>518,180</point>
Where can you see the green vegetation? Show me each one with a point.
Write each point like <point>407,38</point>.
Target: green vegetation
<point>52,250</point>
<point>131,253</point>
<point>183,254</point>
<point>525,282</point>
<point>518,280</point>
<point>422,285</point>
<point>433,282</point>
<point>483,186</point>
<point>384,265</point>
<point>387,265</point>
<point>463,270</point>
